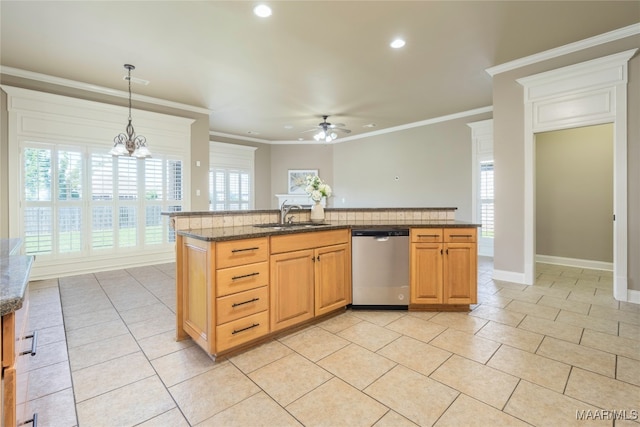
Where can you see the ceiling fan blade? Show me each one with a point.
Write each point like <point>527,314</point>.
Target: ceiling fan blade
<point>343,130</point>
<point>337,125</point>
<point>310,130</point>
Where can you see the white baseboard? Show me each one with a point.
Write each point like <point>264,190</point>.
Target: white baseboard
<point>633,296</point>
<point>509,276</point>
<point>574,262</point>
<point>51,269</point>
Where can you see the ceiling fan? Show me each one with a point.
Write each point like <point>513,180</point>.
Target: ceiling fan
<point>326,131</point>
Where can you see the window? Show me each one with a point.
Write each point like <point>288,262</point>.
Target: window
<point>486,199</point>
<point>229,189</point>
<point>230,177</point>
<point>80,201</point>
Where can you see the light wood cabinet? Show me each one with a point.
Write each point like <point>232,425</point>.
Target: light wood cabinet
<point>443,266</point>
<point>292,281</point>
<point>426,273</point>
<point>310,276</point>
<point>222,291</point>
<point>232,293</point>
<point>332,278</point>
<point>242,282</point>
<point>195,272</point>
<point>17,345</point>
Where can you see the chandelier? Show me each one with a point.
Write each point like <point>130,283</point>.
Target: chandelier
<point>130,144</point>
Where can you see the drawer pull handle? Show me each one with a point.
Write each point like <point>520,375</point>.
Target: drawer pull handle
<point>461,235</point>
<point>428,235</point>
<point>33,420</point>
<point>235,304</point>
<point>245,276</point>
<point>244,249</point>
<point>34,344</point>
<point>245,329</point>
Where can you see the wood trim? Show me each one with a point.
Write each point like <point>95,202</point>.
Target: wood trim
<point>8,339</point>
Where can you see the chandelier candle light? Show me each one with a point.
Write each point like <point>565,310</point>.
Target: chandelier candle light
<point>130,144</point>
<point>317,189</point>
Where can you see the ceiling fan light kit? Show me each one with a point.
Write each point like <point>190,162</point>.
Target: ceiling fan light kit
<point>326,131</point>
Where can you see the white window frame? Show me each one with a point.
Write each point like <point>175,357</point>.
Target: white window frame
<point>85,203</point>
<point>232,157</point>
<point>481,151</point>
<point>38,116</point>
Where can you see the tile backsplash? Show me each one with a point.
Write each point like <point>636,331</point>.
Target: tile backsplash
<point>198,220</point>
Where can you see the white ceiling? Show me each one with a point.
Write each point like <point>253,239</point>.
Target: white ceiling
<point>308,59</point>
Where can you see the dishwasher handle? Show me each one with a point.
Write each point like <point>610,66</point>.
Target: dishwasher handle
<point>380,232</point>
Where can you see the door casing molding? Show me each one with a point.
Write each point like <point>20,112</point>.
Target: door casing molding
<point>584,94</point>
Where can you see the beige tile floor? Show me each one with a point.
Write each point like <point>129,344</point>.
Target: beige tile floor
<point>525,355</point>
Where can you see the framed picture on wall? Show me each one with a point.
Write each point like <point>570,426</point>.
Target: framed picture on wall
<point>298,180</point>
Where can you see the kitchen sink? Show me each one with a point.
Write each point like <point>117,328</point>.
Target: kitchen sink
<point>277,226</point>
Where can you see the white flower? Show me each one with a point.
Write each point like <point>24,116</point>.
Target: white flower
<point>316,188</point>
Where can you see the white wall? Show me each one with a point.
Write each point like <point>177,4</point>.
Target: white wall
<point>432,163</point>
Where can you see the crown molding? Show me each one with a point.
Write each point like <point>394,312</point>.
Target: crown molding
<point>45,78</point>
<point>239,137</point>
<point>621,33</point>
<point>421,123</point>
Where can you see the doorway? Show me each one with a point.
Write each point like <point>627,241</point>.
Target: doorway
<point>574,197</point>
<point>589,93</point>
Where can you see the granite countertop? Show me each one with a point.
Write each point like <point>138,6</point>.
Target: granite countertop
<point>14,277</point>
<point>9,247</point>
<point>249,231</point>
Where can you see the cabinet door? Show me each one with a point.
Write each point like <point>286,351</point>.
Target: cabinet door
<point>426,273</point>
<point>460,273</point>
<point>291,290</point>
<point>332,278</point>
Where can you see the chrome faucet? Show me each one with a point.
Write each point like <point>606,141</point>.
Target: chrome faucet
<point>284,211</point>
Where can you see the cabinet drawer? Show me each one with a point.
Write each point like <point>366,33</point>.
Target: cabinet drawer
<point>242,330</point>
<point>310,240</point>
<point>242,304</point>
<point>239,252</point>
<point>426,235</point>
<point>460,235</point>
<point>243,278</point>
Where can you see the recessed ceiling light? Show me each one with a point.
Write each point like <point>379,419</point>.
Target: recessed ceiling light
<point>262,10</point>
<point>370,125</point>
<point>397,43</point>
<point>288,126</point>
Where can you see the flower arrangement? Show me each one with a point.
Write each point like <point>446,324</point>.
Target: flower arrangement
<point>316,188</point>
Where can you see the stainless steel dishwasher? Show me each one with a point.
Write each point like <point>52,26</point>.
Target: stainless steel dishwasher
<point>380,268</point>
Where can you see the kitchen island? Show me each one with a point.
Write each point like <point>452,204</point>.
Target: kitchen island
<point>240,284</point>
